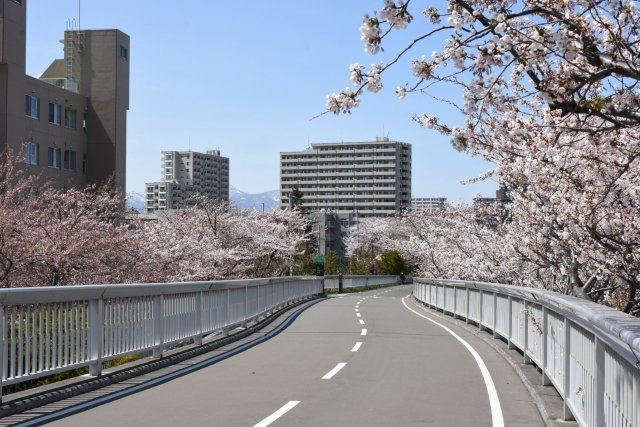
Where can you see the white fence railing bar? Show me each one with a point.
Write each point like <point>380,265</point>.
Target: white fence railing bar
<point>590,353</point>
<point>331,282</point>
<point>47,330</point>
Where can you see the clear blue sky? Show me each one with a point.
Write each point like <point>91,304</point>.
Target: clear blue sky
<point>246,77</point>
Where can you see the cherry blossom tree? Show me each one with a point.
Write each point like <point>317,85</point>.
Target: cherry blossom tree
<point>15,196</point>
<point>551,97</point>
<point>449,244</point>
<point>217,241</point>
<point>81,236</point>
<point>77,237</point>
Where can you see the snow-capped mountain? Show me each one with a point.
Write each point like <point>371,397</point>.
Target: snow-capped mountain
<point>136,201</point>
<point>237,197</point>
<point>243,200</point>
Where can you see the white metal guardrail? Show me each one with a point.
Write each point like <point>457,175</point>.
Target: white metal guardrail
<point>48,330</point>
<point>590,353</point>
<point>331,282</point>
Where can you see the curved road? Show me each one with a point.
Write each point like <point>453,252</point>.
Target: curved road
<point>324,371</point>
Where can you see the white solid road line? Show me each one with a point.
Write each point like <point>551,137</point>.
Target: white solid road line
<point>356,347</point>
<point>361,321</point>
<point>494,401</point>
<point>363,332</point>
<point>280,412</point>
<point>334,371</point>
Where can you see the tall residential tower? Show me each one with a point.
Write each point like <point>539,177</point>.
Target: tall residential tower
<point>371,178</point>
<point>186,174</point>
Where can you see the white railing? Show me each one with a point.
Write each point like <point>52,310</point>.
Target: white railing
<point>590,353</point>
<point>52,329</point>
<point>332,282</point>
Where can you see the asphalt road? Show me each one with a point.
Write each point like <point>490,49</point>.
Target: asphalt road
<point>406,371</point>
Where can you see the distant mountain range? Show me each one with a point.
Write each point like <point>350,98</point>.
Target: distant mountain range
<point>238,198</point>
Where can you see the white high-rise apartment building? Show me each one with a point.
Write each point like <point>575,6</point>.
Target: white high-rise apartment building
<point>371,178</point>
<point>428,204</point>
<point>186,174</point>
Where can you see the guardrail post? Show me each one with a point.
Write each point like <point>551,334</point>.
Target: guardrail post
<point>199,308</point>
<point>527,359</point>
<point>466,317</point>
<point>480,311</point>
<point>227,312</point>
<point>495,314</point>
<point>246,315</point>
<point>510,334</point>
<point>597,398</point>
<point>96,336</point>
<point>444,299</point>
<point>3,328</point>
<point>566,365</point>
<point>545,357</point>
<point>158,325</point>
<point>455,302</point>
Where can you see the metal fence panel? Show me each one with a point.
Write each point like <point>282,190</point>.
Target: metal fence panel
<point>486,309</point>
<point>555,350</point>
<point>474,305</point>
<point>502,315</point>
<point>42,338</point>
<point>621,397</point>
<point>534,333</point>
<point>461,301</point>
<point>450,299</point>
<point>518,323</point>
<point>581,393</point>
<point>128,325</point>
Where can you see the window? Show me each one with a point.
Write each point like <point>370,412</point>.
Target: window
<point>32,106</point>
<point>31,153</point>
<point>84,163</point>
<point>124,54</point>
<point>54,157</point>
<point>70,117</point>
<point>70,160</point>
<point>55,113</point>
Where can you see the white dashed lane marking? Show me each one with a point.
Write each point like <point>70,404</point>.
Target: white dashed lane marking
<point>280,412</point>
<point>334,371</point>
